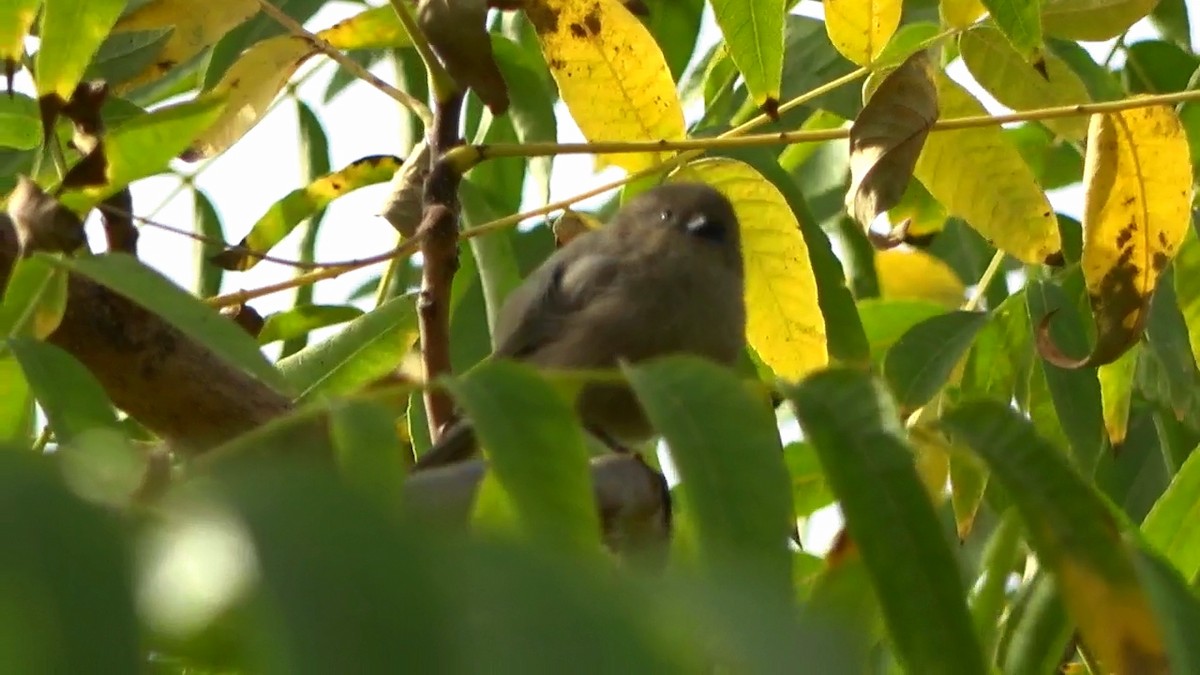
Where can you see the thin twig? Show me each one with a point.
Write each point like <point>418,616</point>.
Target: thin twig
<point>470,155</point>
<point>239,297</point>
<point>417,107</point>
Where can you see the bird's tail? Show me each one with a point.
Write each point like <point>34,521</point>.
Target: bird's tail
<point>456,444</point>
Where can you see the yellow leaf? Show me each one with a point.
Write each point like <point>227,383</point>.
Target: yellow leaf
<point>1092,20</point>
<point>982,179</point>
<point>16,18</point>
<point>917,275</point>
<point>611,74</point>
<point>1005,74</point>
<point>1114,616</point>
<point>784,322</point>
<point>249,86</point>
<point>860,28</point>
<point>932,452</point>
<point>1116,393</point>
<point>1138,176</point>
<point>961,13</point>
<point>197,25</point>
<point>375,28</point>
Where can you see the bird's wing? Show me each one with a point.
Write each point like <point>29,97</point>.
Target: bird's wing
<point>538,310</point>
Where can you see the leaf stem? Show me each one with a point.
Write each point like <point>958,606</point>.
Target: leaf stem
<point>440,80</point>
<point>984,281</point>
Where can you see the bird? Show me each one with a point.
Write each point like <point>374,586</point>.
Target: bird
<point>664,276</point>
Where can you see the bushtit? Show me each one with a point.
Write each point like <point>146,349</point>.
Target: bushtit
<point>664,276</point>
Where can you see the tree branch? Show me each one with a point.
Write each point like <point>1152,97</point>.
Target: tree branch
<point>438,233</point>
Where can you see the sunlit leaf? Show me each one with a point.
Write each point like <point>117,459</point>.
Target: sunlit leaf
<point>70,32</point>
<point>195,26</point>
<point>1021,23</point>
<point>303,319</point>
<point>298,205</point>
<point>859,30</point>
<point>1173,524</point>
<point>375,28</point>
<point>1139,194</point>
<point>364,350</point>
<point>961,13</point>
<point>753,31</point>
<point>16,18</point>
<point>982,179</point>
<point>610,72</point>
<point>784,321</point>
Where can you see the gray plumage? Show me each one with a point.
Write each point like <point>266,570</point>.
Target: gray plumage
<point>663,277</point>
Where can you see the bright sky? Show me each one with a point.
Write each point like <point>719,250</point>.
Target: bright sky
<point>265,165</point>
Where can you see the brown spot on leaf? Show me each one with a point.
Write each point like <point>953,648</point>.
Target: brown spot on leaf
<point>1159,261</point>
<point>1125,235</point>
<point>592,20</point>
<point>165,65</point>
<point>544,19</point>
<point>1055,259</point>
<point>336,185</point>
<point>578,30</point>
<point>556,64</point>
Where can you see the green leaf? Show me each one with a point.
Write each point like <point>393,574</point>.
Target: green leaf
<point>885,321</point>
<point>365,350</point>
<point>143,146</point>
<point>73,400</point>
<point>1170,17</point>
<point>1055,162</point>
<point>368,450</point>
<point>262,26</point>
<point>1116,393</point>
<point>1168,341</point>
<point>126,54</point>
<point>16,18</point>
<point>303,319</point>
<point>988,597</point>
<point>125,275</point>
<point>20,127</point>
<point>675,26</point>
<point>850,421</point>
<point>1157,67</point>
<point>208,224</point>
<point>1176,606</point>
<point>71,32</point>
<point>904,43</point>
<point>1173,524</point>
<point>536,448</point>
<point>16,403</point>
<point>1002,354</point>
<point>493,251</point>
<point>1037,630</point>
<point>810,61</point>
<point>726,448</point>
<point>1100,81</point>
<point>66,603</point>
<point>284,215</point>
<point>922,359</point>
<point>1076,393</point>
<point>1070,527</point>
<point>34,300</point>
<point>753,31</point>
<point>810,491</point>
<point>531,110</point>
<point>1021,23</point>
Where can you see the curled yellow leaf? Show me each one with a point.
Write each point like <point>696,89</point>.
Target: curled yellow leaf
<point>981,178</point>
<point>197,25</point>
<point>611,74</point>
<point>251,83</point>
<point>784,324</point>
<point>1138,177</point>
<point>859,29</point>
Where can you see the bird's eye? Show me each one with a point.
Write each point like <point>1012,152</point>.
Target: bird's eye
<point>706,228</point>
<point>666,215</point>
